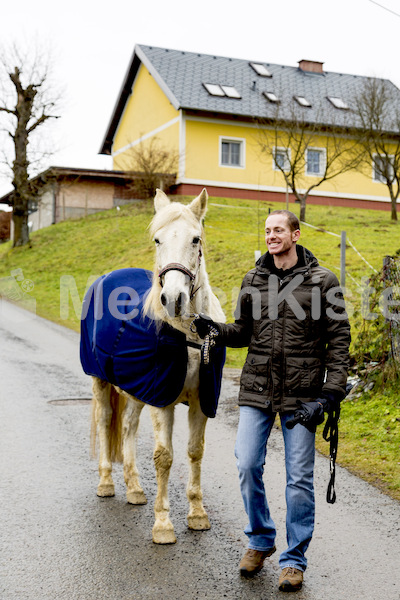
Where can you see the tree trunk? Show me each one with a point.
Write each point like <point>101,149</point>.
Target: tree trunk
<point>303,200</point>
<point>21,229</point>
<point>393,215</point>
<point>22,194</point>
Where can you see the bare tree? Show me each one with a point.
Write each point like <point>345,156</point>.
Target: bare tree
<point>152,166</point>
<point>377,108</point>
<point>27,102</point>
<point>305,153</point>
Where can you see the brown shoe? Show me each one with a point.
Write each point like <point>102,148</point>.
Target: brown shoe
<point>290,580</point>
<point>253,561</point>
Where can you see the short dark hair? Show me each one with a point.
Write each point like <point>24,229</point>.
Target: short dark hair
<point>291,218</point>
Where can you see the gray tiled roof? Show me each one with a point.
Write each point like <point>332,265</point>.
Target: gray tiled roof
<point>182,74</point>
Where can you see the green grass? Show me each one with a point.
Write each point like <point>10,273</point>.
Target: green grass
<point>85,248</point>
<point>369,439</point>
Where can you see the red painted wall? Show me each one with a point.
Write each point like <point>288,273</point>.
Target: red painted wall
<point>188,189</point>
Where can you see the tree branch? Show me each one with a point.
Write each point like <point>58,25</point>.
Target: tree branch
<point>7,110</point>
<point>39,121</point>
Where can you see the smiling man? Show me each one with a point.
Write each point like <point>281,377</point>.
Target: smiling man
<point>281,234</point>
<point>292,317</point>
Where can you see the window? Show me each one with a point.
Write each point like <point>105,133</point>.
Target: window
<point>261,70</point>
<point>230,91</point>
<point>383,168</point>
<point>302,101</point>
<point>315,161</point>
<point>222,90</point>
<point>213,89</point>
<point>271,97</point>
<point>282,159</point>
<point>338,102</point>
<point>232,152</point>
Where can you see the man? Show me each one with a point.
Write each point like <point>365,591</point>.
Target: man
<point>291,315</point>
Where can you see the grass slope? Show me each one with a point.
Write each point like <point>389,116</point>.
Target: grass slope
<point>65,257</point>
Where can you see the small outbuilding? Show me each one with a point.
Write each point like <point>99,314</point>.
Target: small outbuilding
<point>64,193</point>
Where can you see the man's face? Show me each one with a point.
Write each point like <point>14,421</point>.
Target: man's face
<point>278,236</point>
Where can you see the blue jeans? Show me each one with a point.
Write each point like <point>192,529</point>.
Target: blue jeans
<point>251,448</point>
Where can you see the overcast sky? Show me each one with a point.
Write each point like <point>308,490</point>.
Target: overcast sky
<point>93,43</point>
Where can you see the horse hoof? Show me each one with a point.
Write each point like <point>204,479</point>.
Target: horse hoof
<point>164,536</point>
<point>199,523</point>
<point>136,497</point>
<point>106,490</point>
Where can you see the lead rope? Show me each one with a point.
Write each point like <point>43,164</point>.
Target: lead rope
<point>209,341</point>
<point>331,434</point>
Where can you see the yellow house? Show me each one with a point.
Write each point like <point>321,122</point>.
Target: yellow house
<point>206,109</point>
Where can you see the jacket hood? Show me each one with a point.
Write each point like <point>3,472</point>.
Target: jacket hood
<point>305,256</point>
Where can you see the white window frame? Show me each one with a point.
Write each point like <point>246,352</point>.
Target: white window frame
<point>260,69</point>
<point>302,101</point>
<point>375,176</point>
<point>322,164</point>
<point>222,91</point>
<point>287,152</point>
<point>231,92</point>
<point>338,102</point>
<point>214,89</point>
<point>229,139</point>
<point>271,97</point>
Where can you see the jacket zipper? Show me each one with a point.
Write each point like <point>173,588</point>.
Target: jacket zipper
<point>283,362</point>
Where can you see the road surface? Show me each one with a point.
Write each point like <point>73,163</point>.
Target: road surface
<point>58,540</point>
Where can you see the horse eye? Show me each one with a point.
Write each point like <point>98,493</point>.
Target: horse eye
<point>195,240</point>
<point>156,241</point>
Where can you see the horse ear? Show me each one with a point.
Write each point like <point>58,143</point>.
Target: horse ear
<point>160,200</point>
<point>198,206</point>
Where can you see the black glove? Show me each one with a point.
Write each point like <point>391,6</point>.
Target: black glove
<point>309,414</point>
<point>203,325</point>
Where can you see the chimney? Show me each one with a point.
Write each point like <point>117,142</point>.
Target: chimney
<point>311,66</point>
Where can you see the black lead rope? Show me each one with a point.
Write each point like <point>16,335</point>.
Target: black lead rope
<point>331,434</point>
<point>209,341</point>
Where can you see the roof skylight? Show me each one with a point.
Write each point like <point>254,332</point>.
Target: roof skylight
<point>215,89</point>
<point>338,102</point>
<point>230,91</point>
<point>271,97</point>
<point>261,69</point>
<point>303,101</point>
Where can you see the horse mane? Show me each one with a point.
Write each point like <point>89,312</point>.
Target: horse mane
<point>167,215</point>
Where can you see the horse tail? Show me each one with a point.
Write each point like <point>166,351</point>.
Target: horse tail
<point>117,404</point>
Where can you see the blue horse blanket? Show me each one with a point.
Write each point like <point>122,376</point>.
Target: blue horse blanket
<point>121,345</point>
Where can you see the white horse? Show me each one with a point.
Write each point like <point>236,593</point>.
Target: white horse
<point>180,289</point>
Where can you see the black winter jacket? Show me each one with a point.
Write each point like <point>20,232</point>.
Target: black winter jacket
<point>297,332</point>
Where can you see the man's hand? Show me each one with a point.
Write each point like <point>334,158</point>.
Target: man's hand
<point>309,414</point>
<point>203,324</point>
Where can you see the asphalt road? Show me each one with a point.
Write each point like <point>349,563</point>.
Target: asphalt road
<point>58,540</point>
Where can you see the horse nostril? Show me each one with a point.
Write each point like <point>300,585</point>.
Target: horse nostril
<point>163,299</point>
<point>179,303</point>
<point>180,299</point>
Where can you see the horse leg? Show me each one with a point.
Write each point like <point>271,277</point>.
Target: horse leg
<point>197,517</point>
<point>163,420</point>
<point>103,414</point>
<point>130,423</point>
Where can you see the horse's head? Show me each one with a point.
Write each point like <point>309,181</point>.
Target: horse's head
<point>177,231</point>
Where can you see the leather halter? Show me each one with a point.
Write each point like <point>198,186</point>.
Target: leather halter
<point>176,267</point>
<point>182,269</point>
